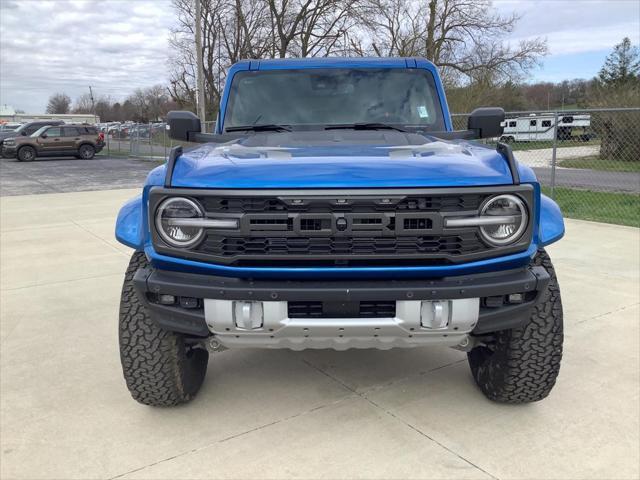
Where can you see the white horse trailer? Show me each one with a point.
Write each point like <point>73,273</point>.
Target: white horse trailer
<point>541,127</point>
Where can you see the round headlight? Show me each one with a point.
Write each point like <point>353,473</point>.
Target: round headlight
<point>175,232</point>
<point>509,222</point>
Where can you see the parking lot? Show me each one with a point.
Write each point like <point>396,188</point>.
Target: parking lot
<point>66,413</point>
<point>69,174</point>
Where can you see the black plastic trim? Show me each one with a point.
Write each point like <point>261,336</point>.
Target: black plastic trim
<point>192,322</point>
<point>171,164</point>
<point>174,319</point>
<point>506,151</point>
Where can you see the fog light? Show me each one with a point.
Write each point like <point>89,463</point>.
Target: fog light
<point>188,302</point>
<point>165,299</point>
<point>248,315</point>
<point>434,314</point>
<point>516,298</point>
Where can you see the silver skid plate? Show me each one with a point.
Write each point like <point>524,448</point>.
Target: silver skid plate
<point>238,324</point>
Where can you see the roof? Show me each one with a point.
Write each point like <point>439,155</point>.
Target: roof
<point>333,62</point>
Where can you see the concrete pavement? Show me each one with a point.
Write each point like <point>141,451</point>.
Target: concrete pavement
<point>65,411</point>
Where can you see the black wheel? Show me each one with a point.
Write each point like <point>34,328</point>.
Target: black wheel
<point>159,367</point>
<point>26,153</point>
<point>521,365</point>
<point>86,152</point>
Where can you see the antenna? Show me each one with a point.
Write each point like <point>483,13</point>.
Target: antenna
<point>93,103</point>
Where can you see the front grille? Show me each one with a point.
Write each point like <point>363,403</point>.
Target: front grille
<point>407,203</point>
<point>368,309</point>
<point>298,228</point>
<point>223,246</point>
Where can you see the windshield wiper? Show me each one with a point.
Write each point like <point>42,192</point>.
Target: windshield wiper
<point>364,126</point>
<point>269,127</point>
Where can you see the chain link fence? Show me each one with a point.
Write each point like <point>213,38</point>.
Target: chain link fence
<point>586,160</point>
<point>147,141</point>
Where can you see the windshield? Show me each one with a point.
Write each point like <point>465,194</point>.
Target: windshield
<point>323,97</point>
<point>21,128</point>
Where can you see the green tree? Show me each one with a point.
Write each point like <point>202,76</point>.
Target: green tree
<point>618,85</point>
<point>622,66</point>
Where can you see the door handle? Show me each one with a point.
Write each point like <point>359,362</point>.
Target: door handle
<point>56,139</point>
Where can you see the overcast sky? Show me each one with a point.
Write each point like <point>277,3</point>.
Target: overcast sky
<point>115,46</point>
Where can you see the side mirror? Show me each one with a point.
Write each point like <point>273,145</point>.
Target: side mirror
<point>486,122</point>
<point>23,133</point>
<point>44,135</point>
<point>182,125</point>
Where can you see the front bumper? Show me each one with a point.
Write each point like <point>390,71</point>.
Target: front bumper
<point>209,302</point>
<point>8,151</point>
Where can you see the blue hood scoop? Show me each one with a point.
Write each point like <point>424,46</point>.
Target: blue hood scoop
<point>369,159</point>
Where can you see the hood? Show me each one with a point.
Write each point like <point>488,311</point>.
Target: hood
<point>340,159</point>
<point>5,135</point>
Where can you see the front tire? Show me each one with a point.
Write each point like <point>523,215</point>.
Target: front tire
<point>521,365</point>
<point>159,367</point>
<point>26,154</point>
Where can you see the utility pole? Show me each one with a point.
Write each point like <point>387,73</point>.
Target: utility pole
<point>200,73</point>
<point>93,103</point>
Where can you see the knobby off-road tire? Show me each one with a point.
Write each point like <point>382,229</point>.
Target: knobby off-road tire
<point>521,365</point>
<point>159,368</point>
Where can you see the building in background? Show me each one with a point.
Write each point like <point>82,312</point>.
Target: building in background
<point>8,114</point>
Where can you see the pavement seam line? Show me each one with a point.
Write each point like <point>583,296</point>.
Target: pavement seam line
<point>236,435</point>
<point>600,315</point>
<point>399,419</point>
<point>380,386</point>
<point>420,432</point>
<point>81,227</point>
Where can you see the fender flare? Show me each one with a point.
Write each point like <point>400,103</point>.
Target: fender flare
<point>551,221</point>
<point>130,224</point>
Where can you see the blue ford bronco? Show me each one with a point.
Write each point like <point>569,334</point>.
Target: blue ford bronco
<point>334,206</point>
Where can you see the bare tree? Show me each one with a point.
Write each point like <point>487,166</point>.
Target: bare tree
<point>242,29</point>
<point>465,38</point>
<point>83,104</point>
<point>59,103</point>
<point>304,28</point>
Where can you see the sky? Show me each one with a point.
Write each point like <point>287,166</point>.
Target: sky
<point>116,46</point>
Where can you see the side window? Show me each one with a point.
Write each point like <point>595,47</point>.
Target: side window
<point>533,123</point>
<point>546,123</point>
<point>91,130</point>
<point>71,132</point>
<point>54,132</point>
<point>512,124</point>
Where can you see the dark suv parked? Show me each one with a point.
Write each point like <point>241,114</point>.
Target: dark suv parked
<point>82,141</point>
